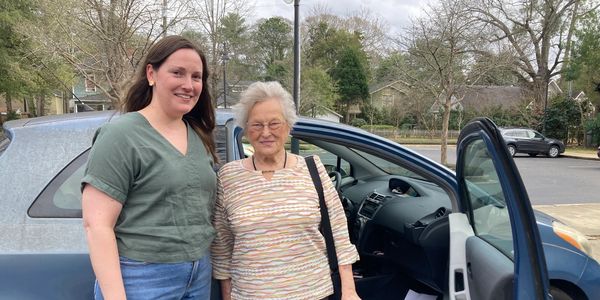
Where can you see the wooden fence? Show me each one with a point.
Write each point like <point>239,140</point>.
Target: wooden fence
<point>412,133</point>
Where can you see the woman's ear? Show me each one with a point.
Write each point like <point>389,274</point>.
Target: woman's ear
<point>150,73</point>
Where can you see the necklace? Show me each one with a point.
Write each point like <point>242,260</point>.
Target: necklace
<point>270,171</point>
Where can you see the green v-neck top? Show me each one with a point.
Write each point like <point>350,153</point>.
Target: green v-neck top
<point>167,196</point>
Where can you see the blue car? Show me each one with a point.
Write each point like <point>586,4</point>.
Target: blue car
<point>419,227</point>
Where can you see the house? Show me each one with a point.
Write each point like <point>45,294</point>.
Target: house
<point>86,96</point>
<point>53,105</point>
<point>580,97</point>
<point>328,114</point>
<point>234,91</point>
<point>388,94</point>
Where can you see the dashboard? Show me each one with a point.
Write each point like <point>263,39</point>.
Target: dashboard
<point>401,221</point>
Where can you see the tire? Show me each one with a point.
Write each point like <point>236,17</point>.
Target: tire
<point>553,152</point>
<point>532,154</point>
<point>558,294</point>
<point>512,150</point>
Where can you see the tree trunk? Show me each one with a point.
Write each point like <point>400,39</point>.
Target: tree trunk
<point>445,123</point>
<point>41,99</point>
<point>540,92</point>
<point>567,57</point>
<point>347,114</point>
<point>8,100</point>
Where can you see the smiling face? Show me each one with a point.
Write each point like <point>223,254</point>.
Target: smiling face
<point>177,82</point>
<point>266,130</point>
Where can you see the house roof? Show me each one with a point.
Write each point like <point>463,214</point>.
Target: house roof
<point>479,97</point>
<point>391,84</point>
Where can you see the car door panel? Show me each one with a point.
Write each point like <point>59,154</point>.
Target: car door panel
<point>460,231</point>
<point>506,240</point>
<point>485,262</point>
<point>46,276</point>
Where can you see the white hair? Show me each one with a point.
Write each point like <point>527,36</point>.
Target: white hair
<point>259,92</point>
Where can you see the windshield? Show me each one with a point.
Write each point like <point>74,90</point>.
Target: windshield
<point>388,166</point>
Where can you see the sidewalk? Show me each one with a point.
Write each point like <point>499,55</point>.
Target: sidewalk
<point>582,217</point>
<point>581,155</point>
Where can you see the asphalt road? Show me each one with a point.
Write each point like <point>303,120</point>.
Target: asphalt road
<point>561,180</point>
<point>565,188</point>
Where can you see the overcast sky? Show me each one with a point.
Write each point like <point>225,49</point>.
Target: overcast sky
<point>396,13</point>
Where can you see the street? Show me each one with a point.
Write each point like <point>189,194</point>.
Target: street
<point>561,180</point>
<point>565,188</point>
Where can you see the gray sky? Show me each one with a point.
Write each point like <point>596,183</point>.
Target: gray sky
<point>396,13</point>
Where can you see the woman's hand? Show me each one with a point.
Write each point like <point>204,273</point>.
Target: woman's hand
<point>348,289</point>
<point>351,295</point>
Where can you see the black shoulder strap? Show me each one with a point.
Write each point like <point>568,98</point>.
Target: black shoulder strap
<point>325,222</point>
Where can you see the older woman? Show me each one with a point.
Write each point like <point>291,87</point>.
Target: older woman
<point>268,244</point>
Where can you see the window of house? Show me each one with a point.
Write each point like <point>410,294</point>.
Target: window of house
<point>90,86</point>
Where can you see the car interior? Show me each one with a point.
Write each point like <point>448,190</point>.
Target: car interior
<point>396,218</point>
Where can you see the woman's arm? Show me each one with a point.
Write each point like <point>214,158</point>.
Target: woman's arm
<point>100,213</point>
<point>226,289</point>
<point>348,288</point>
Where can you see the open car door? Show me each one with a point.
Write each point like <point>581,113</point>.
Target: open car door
<point>495,247</point>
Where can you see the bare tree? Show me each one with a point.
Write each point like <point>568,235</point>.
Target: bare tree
<point>539,33</point>
<point>439,44</point>
<point>209,16</point>
<point>102,40</point>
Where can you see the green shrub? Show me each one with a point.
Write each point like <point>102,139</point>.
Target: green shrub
<point>358,122</point>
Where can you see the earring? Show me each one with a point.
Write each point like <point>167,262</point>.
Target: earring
<point>151,83</point>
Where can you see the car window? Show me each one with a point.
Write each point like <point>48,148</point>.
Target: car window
<point>61,198</point>
<point>521,134</point>
<point>510,133</point>
<point>530,134</point>
<point>329,160</point>
<point>491,220</point>
<point>537,135</point>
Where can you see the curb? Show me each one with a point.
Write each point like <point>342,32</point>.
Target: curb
<point>580,157</point>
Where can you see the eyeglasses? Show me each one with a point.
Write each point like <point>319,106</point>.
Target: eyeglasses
<point>259,127</point>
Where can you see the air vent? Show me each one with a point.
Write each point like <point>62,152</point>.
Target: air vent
<point>377,197</point>
<point>440,212</point>
<point>370,205</point>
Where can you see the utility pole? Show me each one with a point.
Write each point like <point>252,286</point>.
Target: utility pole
<point>295,144</point>
<point>164,18</point>
<point>225,59</point>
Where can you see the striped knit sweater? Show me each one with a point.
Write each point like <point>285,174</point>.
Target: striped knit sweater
<point>268,240</point>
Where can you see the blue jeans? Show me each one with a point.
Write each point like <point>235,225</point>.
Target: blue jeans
<point>146,281</point>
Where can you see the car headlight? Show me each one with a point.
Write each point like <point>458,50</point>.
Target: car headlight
<point>573,237</point>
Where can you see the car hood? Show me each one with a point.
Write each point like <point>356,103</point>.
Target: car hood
<point>543,218</point>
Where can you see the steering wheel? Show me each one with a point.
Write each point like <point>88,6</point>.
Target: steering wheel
<point>336,178</point>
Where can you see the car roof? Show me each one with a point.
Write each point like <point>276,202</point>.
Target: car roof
<point>94,119</point>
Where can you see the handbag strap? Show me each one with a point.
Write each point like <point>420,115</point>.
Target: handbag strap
<point>325,227</point>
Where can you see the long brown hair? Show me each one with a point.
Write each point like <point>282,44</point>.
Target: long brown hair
<point>202,116</point>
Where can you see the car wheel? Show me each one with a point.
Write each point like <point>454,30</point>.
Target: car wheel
<point>533,154</point>
<point>512,150</point>
<point>553,152</point>
<point>558,294</point>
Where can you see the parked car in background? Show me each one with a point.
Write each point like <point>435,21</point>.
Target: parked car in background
<point>525,140</point>
<point>416,224</point>
<point>598,152</point>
